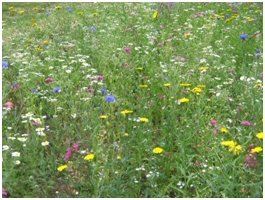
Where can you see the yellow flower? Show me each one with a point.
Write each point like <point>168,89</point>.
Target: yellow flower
<point>61,168</point>
<point>232,146</point>
<point>185,85</point>
<point>158,150</point>
<point>142,119</point>
<point>126,134</point>
<point>224,130</point>
<point>119,157</point>
<point>34,24</point>
<point>58,7</point>
<point>203,68</point>
<point>167,84</point>
<point>126,112</point>
<point>260,135</point>
<point>103,116</point>
<point>256,150</point>
<point>95,14</point>
<point>89,157</point>
<point>228,143</point>
<point>155,14</point>
<point>35,8</point>
<point>11,8</point>
<point>258,85</point>
<point>39,49</point>
<point>196,90</point>
<point>143,86</point>
<point>46,42</point>
<point>184,100</point>
<point>257,11</point>
<point>21,11</point>
<point>80,13</point>
<point>249,19</point>
<point>139,68</point>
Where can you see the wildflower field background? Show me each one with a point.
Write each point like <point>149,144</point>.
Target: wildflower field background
<point>132,99</point>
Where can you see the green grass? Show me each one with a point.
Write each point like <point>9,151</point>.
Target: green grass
<point>55,43</point>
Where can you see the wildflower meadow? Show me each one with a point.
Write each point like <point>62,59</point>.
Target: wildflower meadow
<point>132,99</point>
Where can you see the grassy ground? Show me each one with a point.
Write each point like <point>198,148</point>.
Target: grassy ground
<point>141,100</point>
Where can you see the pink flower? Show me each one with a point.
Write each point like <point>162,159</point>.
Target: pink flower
<point>246,123</point>
<point>4,193</point>
<point>90,90</point>
<point>213,123</point>
<point>76,146</point>
<point>49,80</point>
<point>161,27</point>
<point>145,77</point>
<point>251,146</point>
<point>68,153</point>
<point>216,131</point>
<point>239,108</point>
<point>160,44</point>
<point>9,104</point>
<point>100,78</point>
<point>251,160</point>
<point>128,50</point>
<point>68,47</point>
<point>261,75</point>
<point>36,123</point>
<point>197,162</point>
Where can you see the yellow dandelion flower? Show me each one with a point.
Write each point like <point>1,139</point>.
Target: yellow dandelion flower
<point>21,11</point>
<point>224,130</point>
<point>158,150</point>
<point>103,117</point>
<point>119,157</point>
<point>39,49</point>
<point>142,119</point>
<point>46,42</point>
<point>203,68</point>
<point>185,85</point>
<point>143,86</point>
<point>80,13</point>
<point>184,100</point>
<point>90,157</point>
<point>260,135</point>
<point>249,19</point>
<point>167,84</point>
<point>196,90</point>
<point>61,168</point>
<point>256,150</point>
<point>126,112</point>
<point>228,143</point>
<point>35,8</point>
<point>95,14</point>
<point>58,7</point>
<point>155,14</point>
<point>126,134</point>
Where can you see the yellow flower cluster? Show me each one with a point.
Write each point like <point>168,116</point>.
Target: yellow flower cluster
<point>233,147</point>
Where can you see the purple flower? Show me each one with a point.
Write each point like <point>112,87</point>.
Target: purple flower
<point>34,91</point>
<point>213,123</point>
<point>110,98</point>
<point>49,80</point>
<point>76,146</point>
<point>251,160</point>
<point>243,36</point>
<point>4,193</point>
<point>56,90</point>
<point>93,29</point>
<point>5,64</point>
<point>160,44</point>
<point>90,90</point>
<point>246,123</point>
<point>103,90</point>
<point>261,75</point>
<point>216,131</point>
<point>128,50</point>
<point>68,153</point>
<point>100,78</point>
<point>70,10</point>
<point>258,52</point>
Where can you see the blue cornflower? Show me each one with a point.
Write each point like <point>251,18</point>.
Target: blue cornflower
<point>243,36</point>
<point>34,91</point>
<point>103,90</point>
<point>110,98</point>
<point>55,90</point>
<point>5,64</point>
<point>70,10</point>
<point>258,52</point>
<point>93,29</point>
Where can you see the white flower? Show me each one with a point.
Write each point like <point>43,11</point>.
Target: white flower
<point>5,147</point>
<point>45,143</point>
<point>15,154</point>
<point>22,139</point>
<point>11,138</point>
<point>17,162</point>
<point>68,71</point>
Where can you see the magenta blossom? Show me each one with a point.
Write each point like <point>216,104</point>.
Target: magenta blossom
<point>128,50</point>
<point>246,123</point>
<point>76,146</point>
<point>36,123</point>
<point>216,131</point>
<point>160,44</point>
<point>4,193</point>
<point>251,160</point>
<point>100,78</point>
<point>68,153</point>
<point>49,80</point>
<point>90,90</point>
<point>213,123</point>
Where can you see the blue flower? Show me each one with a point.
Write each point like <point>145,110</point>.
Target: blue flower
<point>110,98</point>
<point>103,90</point>
<point>34,91</point>
<point>47,14</point>
<point>93,29</point>
<point>258,52</point>
<point>5,64</point>
<point>70,10</point>
<point>55,90</point>
<point>243,36</point>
